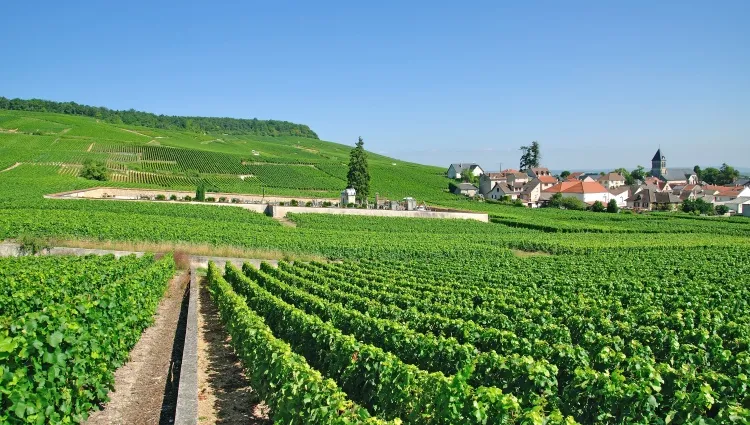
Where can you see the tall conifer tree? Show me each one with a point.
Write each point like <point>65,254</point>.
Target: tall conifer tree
<point>358,177</point>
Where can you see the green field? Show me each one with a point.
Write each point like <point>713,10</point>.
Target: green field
<point>541,316</point>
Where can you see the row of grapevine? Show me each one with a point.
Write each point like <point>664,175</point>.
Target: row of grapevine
<point>380,380</point>
<point>295,392</point>
<point>58,362</point>
<point>662,365</point>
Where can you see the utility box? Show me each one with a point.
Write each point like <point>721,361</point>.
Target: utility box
<point>348,196</point>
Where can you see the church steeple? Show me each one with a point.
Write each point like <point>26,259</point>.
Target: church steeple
<point>658,164</point>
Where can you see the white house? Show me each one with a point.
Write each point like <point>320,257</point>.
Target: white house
<point>588,192</point>
<point>738,205</point>
<point>467,189</point>
<point>531,193</point>
<point>726,193</point>
<point>500,191</point>
<point>612,180</point>
<point>455,170</point>
<point>487,182</point>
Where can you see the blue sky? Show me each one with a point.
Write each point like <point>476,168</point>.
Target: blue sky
<point>598,84</point>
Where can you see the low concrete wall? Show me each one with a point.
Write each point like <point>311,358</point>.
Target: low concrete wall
<point>277,212</point>
<point>132,194</point>
<point>187,393</point>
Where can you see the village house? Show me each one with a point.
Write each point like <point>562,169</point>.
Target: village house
<point>466,189</point>
<point>517,179</point>
<point>536,172</point>
<point>455,170</point>
<point>488,181</point>
<point>531,192</point>
<point>730,193</point>
<point>687,192</point>
<point>500,191</point>
<point>546,181</point>
<point>649,200</point>
<point>612,180</point>
<point>738,205</point>
<point>673,176</point>
<point>588,192</point>
<point>620,194</point>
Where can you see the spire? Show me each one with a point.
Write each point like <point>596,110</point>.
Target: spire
<point>657,155</point>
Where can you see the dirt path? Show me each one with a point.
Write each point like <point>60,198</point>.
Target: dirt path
<point>146,386</point>
<point>134,132</point>
<point>224,394</point>
<point>285,221</point>
<point>11,167</point>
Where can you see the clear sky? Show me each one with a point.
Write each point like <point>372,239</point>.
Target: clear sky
<point>600,84</point>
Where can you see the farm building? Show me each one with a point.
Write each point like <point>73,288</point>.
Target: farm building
<point>467,189</point>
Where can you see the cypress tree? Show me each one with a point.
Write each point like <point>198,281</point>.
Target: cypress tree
<point>358,177</point>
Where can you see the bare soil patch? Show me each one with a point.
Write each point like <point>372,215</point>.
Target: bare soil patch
<point>224,393</point>
<point>90,147</point>
<point>146,386</point>
<point>525,254</point>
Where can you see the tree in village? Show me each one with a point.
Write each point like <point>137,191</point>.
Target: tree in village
<point>598,207</point>
<point>697,170</point>
<point>612,206</point>
<point>728,174</point>
<point>628,176</point>
<point>530,156</point>
<point>710,175</point>
<point>564,175</point>
<point>638,174</point>
<point>358,177</point>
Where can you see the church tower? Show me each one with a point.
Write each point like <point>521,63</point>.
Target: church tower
<point>658,164</point>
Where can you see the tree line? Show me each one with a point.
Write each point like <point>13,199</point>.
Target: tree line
<point>167,122</point>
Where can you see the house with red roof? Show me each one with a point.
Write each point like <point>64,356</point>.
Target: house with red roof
<point>588,192</point>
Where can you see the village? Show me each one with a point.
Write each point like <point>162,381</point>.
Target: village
<point>662,189</point>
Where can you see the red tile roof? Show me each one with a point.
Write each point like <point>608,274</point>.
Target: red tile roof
<point>547,179</point>
<point>577,187</point>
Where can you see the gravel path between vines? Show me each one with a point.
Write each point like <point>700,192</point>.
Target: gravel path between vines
<point>224,393</point>
<point>146,386</point>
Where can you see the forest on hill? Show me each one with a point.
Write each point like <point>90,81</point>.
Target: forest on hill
<point>236,126</point>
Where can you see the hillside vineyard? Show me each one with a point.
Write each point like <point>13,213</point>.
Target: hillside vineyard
<point>543,316</point>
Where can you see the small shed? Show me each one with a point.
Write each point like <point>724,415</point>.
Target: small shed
<point>410,203</point>
<point>348,196</point>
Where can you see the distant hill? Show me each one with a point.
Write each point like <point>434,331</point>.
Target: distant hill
<point>146,119</point>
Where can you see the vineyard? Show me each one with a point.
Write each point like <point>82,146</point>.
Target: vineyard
<point>140,157</point>
<point>67,324</point>
<point>428,342</point>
